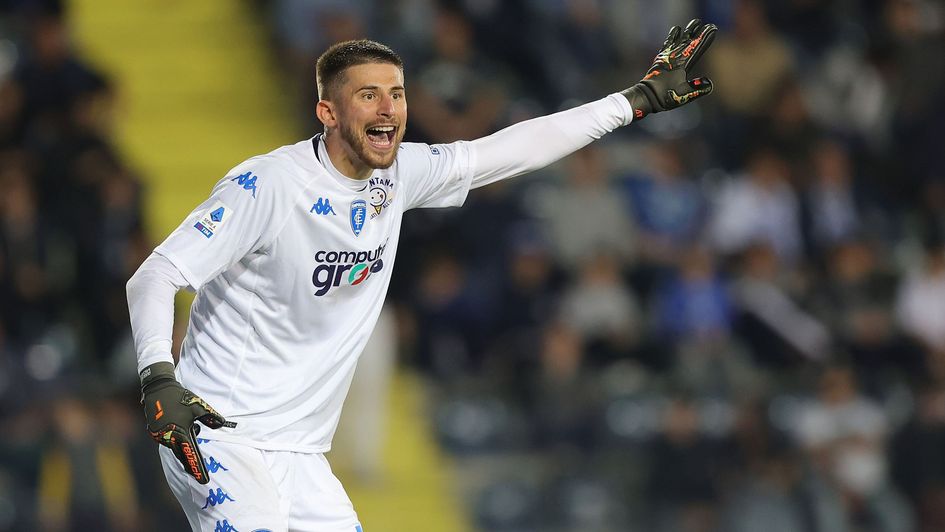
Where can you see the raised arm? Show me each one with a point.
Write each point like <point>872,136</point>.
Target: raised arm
<point>536,143</point>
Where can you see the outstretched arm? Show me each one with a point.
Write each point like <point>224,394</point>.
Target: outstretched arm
<point>536,143</point>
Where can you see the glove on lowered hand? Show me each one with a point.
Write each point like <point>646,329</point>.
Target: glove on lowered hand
<point>171,412</point>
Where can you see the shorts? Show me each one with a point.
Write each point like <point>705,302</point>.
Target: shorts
<point>252,490</point>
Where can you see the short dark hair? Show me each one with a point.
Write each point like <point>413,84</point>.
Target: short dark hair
<point>329,69</point>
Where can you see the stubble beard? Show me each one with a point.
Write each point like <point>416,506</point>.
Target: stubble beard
<point>359,145</point>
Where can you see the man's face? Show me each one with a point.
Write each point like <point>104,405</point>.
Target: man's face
<point>371,109</point>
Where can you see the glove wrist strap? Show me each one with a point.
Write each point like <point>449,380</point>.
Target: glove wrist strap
<point>641,100</point>
<point>159,371</point>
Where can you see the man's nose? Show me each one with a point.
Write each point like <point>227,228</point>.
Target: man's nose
<point>385,107</point>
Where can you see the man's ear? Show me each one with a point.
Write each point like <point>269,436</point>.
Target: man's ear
<point>325,112</point>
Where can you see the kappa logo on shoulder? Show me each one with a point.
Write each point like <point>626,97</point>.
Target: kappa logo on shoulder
<point>247,181</point>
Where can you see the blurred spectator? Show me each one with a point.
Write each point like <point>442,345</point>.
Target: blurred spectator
<point>304,29</point>
<point>602,309</point>
<point>844,435</point>
<point>51,77</point>
<point>451,314</point>
<point>831,202</point>
<point>455,94</point>
<point>530,286</point>
<point>11,107</point>
<point>788,128</point>
<point>577,48</point>
<point>562,393</point>
<point>776,328</point>
<point>919,464</point>
<point>86,482</point>
<point>768,499</point>
<point>855,299</point>
<point>668,206</point>
<point>750,41</point>
<point>694,306</point>
<point>683,474</point>
<point>585,215</point>
<point>694,314</point>
<point>865,108</point>
<point>759,206</point>
<point>920,303</point>
<point>26,258</point>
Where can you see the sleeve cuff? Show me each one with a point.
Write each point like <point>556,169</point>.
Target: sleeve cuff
<point>623,106</point>
<point>159,351</point>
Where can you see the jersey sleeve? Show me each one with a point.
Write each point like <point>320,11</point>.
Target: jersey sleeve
<point>436,175</point>
<point>244,213</point>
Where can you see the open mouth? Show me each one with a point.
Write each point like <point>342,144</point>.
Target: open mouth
<point>381,137</point>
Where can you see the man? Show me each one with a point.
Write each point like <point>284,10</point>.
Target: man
<point>291,257</point>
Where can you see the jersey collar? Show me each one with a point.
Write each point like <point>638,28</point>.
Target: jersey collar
<point>321,154</point>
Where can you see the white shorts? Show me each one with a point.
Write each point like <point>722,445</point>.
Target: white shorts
<point>252,490</point>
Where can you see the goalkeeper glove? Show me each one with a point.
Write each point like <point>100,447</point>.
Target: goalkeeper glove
<point>171,411</point>
<point>666,85</point>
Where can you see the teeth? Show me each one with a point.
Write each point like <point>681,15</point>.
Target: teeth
<point>383,129</point>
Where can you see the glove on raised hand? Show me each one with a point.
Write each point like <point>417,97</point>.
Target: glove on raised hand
<point>666,85</point>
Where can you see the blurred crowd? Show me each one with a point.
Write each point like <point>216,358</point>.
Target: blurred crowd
<point>73,454</point>
<point>726,318</point>
<point>730,317</point>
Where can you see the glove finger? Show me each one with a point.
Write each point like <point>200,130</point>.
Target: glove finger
<point>202,411</point>
<point>672,38</point>
<point>702,86</point>
<point>692,29</point>
<point>186,450</point>
<point>687,92</point>
<point>699,45</point>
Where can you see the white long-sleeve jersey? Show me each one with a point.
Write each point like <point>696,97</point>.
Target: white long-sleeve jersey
<point>291,261</point>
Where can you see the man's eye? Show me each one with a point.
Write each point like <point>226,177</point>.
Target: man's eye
<point>397,96</point>
<point>368,96</point>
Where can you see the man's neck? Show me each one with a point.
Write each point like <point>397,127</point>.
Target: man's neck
<point>344,159</point>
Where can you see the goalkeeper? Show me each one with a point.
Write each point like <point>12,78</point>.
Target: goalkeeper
<point>291,257</point>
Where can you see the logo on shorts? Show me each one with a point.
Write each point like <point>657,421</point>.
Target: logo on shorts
<point>213,466</point>
<point>225,526</point>
<point>219,497</point>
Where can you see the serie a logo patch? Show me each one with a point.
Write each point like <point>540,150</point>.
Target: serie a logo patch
<point>212,219</point>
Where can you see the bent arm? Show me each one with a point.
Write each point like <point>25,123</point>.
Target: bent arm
<point>151,292</point>
<point>536,143</point>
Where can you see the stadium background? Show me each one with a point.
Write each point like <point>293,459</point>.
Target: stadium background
<point>730,317</point>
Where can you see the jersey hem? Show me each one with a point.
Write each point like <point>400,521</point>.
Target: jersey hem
<point>266,445</point>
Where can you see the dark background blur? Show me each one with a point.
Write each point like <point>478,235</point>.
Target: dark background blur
<point>730,317</point>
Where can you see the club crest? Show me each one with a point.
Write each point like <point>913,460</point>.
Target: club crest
<point>358,214</point>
